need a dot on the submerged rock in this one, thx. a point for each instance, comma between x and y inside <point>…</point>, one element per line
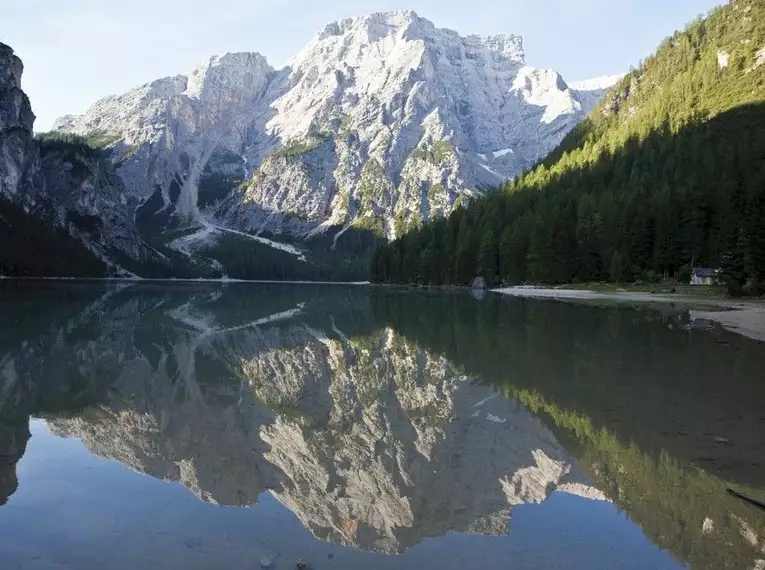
<point>708,527</point>
<point>479,284</point>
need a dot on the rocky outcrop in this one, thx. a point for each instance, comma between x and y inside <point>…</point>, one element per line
<point>166,133</point>
<point>381,122</point>
<point>19,159</point>
<point>88,199</point>
<point>61,181</point>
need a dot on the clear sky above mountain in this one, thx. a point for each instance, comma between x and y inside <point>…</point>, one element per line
<point>77,52</point>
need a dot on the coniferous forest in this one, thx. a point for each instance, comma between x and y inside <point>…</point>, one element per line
<point>668,171</point>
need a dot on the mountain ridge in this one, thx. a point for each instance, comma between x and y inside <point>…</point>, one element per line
<point>390,88</point>
<point>380,124</point>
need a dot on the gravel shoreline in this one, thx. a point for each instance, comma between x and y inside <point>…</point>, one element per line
<point>746,318</point>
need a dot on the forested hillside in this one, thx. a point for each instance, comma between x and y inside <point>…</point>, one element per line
<point>33,246</point>
<point>669,170</point>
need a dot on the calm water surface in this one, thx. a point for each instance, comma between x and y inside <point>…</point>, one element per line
<point>202,426</point>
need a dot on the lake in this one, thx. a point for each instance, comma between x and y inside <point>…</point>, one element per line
<point>205,426</point>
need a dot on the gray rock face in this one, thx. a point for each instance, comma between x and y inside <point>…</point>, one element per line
<point>89,199</point>
<point>379,123</point>
<point>18,151</point>
<point>73,186</point>
<point>168,130</point>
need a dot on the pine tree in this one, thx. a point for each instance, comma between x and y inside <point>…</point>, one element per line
<point>487,256</point>
<point>732,268</point>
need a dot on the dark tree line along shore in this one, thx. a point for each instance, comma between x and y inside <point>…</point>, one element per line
<point>667,172</point>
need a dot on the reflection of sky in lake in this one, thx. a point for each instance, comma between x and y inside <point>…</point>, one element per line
<point>356,423</point>
<point>75,510</point>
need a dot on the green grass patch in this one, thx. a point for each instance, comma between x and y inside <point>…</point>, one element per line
<point>436,154</point>
<point>300,147</point>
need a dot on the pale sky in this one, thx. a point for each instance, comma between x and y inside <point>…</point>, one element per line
<point>77,51</point>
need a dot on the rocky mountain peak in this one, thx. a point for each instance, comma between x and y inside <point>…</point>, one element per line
<point>11,68</point>
<point>381,123</point>
<point>243,72</point>
<point>375,26</point>
<point>408,25</point>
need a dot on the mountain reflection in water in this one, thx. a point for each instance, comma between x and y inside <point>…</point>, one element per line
<point>381,418</point>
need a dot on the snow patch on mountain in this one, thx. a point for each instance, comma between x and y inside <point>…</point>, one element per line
<point>597,83</point>
<point>496,154</point>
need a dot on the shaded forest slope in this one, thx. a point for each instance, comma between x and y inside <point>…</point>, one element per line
<point>667,171</point>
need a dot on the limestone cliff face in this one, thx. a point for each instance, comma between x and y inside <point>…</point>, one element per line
<point>19,159</point>
<point>370,440</point>
<point>69,185</point>
<point>381,122</point>
<point>87,198</point>
<point>168,131</point>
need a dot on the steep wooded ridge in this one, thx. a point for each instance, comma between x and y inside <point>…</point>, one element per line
<point>667,171</point>
<point>382,123</point>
